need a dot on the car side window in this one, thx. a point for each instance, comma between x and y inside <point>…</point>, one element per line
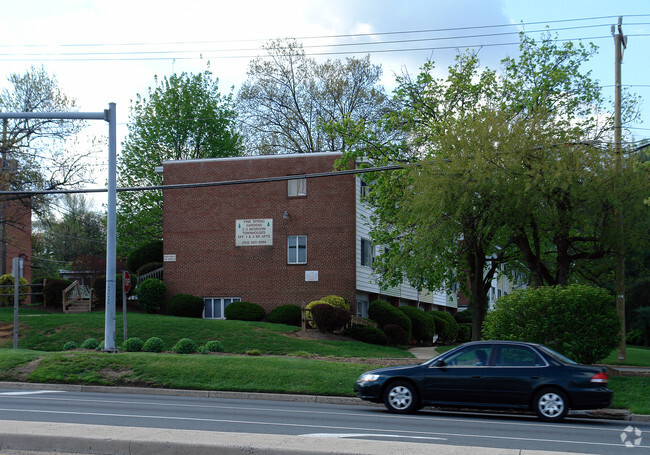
<point>473,356</point>
<point>519,356</point>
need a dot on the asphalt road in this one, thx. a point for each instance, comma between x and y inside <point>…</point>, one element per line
<point>324,422</point>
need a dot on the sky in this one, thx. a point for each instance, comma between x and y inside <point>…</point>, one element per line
<point>110,51</point>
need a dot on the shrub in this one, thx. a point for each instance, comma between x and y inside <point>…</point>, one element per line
<point>53,293</point>
<point>144,254</point>
<point>285,314</point>
<point>253,352</point>
<point>185,346</point>
<point>100,347</point>
<point>578,321</point>
<point>634,337</point>
<point>151,293</point>
<point>203,350</point>
<point>396,335</point>
<point>133,344</point>
<point>90,343</point>
<point>244,311</point>
<point>329,318</point>
<point>149,267</point>
<point>423,325</point>
<point>336,302</point>
<point>214,346</point>
<point>383,313</point>
<point>464,317</point>
<point>69,346</point>
<point>99,290</point>
<point>154,344</point>
<point>367,334</point>
<point>446,327</point>
<point>185,305</point>
<point>464,332</point>
<point>309,314</point>
<point>7,294</point>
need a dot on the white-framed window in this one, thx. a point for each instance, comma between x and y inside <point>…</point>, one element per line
<point>297,187</point>
<point>362,308</point>
<point>367,253</point>
<point>215,307</point>
<point>364,189</point>
<point>297,249</point>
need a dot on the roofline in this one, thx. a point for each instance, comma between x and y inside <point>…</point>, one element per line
<point>252,157</point>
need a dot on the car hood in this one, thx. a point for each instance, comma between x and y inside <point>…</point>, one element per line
<point>394,370</point>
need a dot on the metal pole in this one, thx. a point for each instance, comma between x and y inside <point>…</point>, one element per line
<point>620,43</point>
<point>3,204</point>
<point>16,272</point>
<point>111,232</point>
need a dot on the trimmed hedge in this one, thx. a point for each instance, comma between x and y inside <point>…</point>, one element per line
<point>53,293</point>
<point>149,267</point>
<point>7,294</point>
<point>384,314</point>
<point>185,305</point>
<point>446,327</point>
<point>329,318</point>
<point>244,311</point>
<point>90,343</point>
<point>285,314</point>
<point>337,302</point>
<point>133,344</point>
<point>144,254</point>
<point>464,332</point>
<point>396,335</point>
<point>464,317</point>
<point>185,346</point>
<point>423,325</point>
<point>367,334</point>
<point>154,344</point>
<point>151,293</point>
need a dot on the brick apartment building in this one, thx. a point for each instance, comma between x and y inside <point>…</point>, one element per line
<point>18,235</point>
<point>272,242</point>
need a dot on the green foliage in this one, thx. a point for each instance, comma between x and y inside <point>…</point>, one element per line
<point>634,337</point>
<point>244,311</point>
<point>133,344</point>
<point>578,321</point>
<point>7,294</point>
<point>308,313</point>
<point>151,293</point>
<point>423,325</point>
<point>53,293</point>
<point>99,290</point>
<point>90,343</point>
<point>446,327</point>
<point>367,334</point>
<point>154,344</point>
<point>214,346</point>
<point>385,314</point>
<point>464,332</point>
<point>285,314</point>
<point>149,267</point>
<point>185,346</point>
<point>464,316</point>
<point>336,302</point>
<point>329,318</point>
<point>69,346</point>
<point>181,117</point>
<point>185,305</point>
<point>147,253</point>
<point>253,352</point>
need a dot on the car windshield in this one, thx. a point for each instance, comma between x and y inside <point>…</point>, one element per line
<point>557,355</point>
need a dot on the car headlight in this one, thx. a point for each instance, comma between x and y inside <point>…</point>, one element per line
<point>368,377</point>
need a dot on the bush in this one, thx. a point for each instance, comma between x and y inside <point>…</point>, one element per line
<point>69,346</point>
<point>464,332</point>
<point>285,314</point>
<point>423,325</point>
<point>383,313</point>
<point>149,267</point>
<point>329,318</point>
<point>154,344</point>
<point>446,327</point>
<point>578,321</point>
<point>185,346</point>
<point>185,305</point>
<point>337,302</point>
<point>396,335</point>
<point>151,293</point>
<point>7,294</point>
<point>53,293</point>
<point>100,347</point>
<point>634,337</point>
<point>214,346</point>
<point>99,290</point>
<point>134,344</point>
<point>144,254</point>
<point>464,317</point>
<point>367,334</point>
<point>244,311</point>
<point>90,343</point>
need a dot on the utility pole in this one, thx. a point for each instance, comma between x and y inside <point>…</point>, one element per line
<point>620,43</point>
<point>3,201</point>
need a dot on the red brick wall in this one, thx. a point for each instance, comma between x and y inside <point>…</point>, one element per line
<point>19,231</point>
<point>199,228</point>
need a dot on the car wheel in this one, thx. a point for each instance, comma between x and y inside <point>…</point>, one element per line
<point>401,397</point>
<point>551,405</point>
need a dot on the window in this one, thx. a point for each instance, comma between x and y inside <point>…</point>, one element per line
<point>297,187</point>
<point>518,356</point>
<point>367,253</point>
<point>364,189</point>
<point>362,308</point>
<point>215,306</point>
<point>473,356</point>
<point>297,249</point>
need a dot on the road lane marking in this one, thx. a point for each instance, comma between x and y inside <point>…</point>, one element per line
<point>368,435</point>
<point>31,392</point>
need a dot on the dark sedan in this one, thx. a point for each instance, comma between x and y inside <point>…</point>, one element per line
<point>491,374</point>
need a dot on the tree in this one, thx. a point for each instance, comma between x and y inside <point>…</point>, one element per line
<point>182,117</point>
<point>288,97</point>
<point>37,154</point>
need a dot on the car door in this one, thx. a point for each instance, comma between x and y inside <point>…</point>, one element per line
<point>516,371</point>
<point>458,379</point>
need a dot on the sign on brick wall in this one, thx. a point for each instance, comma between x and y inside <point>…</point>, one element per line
<point>254,232</point>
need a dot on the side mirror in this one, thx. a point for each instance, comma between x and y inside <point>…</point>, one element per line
<point>439,363</point>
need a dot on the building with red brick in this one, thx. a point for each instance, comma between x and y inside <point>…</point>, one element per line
<point>272,242</point>
<point>18,234</point>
